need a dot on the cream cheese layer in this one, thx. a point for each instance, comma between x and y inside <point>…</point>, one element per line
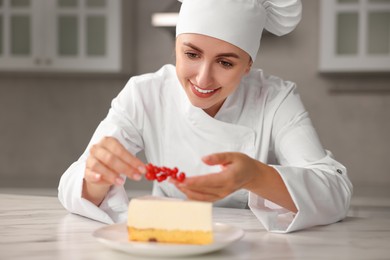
<point>170,214</point>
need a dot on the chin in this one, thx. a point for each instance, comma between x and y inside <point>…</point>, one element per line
<point>198,104</point>
<point>196,101</point>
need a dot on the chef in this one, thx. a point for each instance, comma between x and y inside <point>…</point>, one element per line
<point>243,138</point>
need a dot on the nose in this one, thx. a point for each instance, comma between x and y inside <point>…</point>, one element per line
<point>205,76</point>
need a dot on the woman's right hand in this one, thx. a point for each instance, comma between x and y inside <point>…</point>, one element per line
<point>107,161</point>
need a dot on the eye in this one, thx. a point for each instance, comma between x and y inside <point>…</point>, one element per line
<point>226,64</point>
<point>191,55</point>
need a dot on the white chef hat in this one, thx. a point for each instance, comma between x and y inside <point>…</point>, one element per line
<point>239,22</point>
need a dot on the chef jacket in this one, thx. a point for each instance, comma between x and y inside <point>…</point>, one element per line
<point>263,118</point>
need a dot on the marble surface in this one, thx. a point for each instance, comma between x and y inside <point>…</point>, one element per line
<point>366,201</point>
<point>37,227</point>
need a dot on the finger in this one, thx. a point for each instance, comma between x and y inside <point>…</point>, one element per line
<point>204,190</point>
<point>93,167</point>
<point>114,163</point>
<point>218,158</point>
<point>207,187</point>
<point>94,177</point>
<point>208,181</point>
<point>201,196</point>
<point>114,146</point>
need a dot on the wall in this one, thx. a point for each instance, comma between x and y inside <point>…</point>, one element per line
<point>46,120</point>
<point>350,112</point>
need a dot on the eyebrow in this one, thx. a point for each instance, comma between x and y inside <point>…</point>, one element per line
<point>227,54</point>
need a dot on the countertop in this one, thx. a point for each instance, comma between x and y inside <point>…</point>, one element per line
<point>37,227</point>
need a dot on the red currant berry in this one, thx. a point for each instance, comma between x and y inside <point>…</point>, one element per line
<point>161,178</point>
<point>149,176</point>
<point>162,173</point>
<point>149,167</point>
<point>181,177</point>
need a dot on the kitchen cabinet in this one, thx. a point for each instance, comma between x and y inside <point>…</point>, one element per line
<point>60,35</point>
<point>355,36</point>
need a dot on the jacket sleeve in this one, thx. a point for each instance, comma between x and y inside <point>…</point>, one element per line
<point>122,122</point>
<point>318,184</point>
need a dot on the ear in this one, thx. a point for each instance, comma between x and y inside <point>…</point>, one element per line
<point>248,68</point>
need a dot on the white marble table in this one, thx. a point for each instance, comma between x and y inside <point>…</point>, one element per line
<point>37,227</point>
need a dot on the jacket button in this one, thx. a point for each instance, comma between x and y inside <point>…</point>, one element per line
<point>339,171</point>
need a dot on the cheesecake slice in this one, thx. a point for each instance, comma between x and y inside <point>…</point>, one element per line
<point>169,220</point>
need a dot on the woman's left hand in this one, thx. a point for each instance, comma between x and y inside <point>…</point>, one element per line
<point>237,172</point>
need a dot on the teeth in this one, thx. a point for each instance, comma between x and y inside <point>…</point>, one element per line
<point>204,91</point>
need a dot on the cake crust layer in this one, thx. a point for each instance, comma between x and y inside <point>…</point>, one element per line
<point>170,236</point>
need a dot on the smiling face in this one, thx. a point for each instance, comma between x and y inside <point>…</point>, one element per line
<point>209,69</point>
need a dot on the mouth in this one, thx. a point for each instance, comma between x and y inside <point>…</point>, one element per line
<point>203,93</point>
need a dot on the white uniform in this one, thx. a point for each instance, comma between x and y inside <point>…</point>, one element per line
<point>264,118</point>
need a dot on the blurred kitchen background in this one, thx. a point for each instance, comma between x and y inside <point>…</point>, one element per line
<point>62,62</point>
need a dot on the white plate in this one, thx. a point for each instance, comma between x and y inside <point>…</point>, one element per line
<point>115,236</point>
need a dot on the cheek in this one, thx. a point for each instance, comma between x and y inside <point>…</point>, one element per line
<point>180,69</point>
<point>229,80</point>
<point>185,69</point>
